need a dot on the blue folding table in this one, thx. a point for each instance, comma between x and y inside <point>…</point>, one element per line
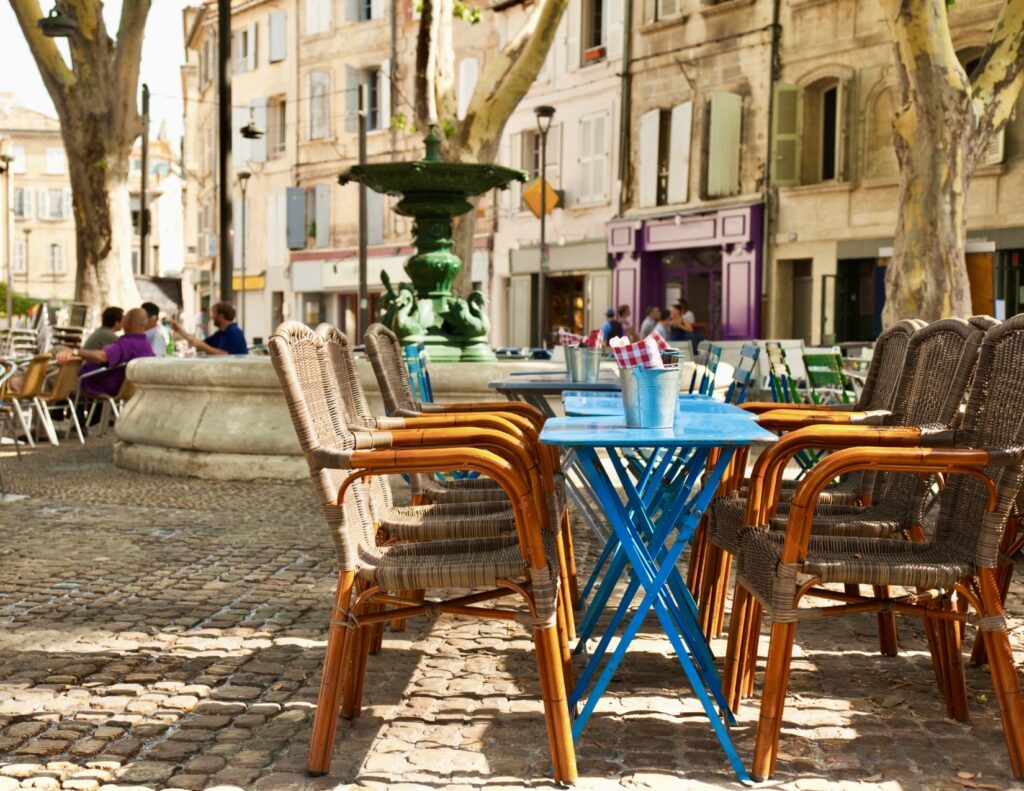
<point>652,532</point>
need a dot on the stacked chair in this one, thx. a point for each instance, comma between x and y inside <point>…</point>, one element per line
<point>350,452</point>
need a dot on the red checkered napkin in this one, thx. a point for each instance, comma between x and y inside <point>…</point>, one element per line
<point>643,354</point>
<point>662,343</point>
<point>595,340</point>
<point>566,338</point>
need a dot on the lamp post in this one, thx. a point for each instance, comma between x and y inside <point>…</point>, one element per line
<point>544,115</point>
<point>243,182</point>
<point>6,160</point>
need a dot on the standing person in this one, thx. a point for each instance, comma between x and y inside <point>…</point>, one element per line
<point>688,316</point>
<point>130,346</point>
<point>624,315</point>
<point>154,331</point>
<point>106,333</point>
<point>651,322</point>
<point>228,339</point>
<point>606,328</point>
<point>679,327</point>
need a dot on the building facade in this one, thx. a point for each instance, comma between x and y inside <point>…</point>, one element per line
<point>43,230</point>
<point>581,81</point>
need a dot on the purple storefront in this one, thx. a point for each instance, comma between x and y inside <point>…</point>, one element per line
<point>710,258</point>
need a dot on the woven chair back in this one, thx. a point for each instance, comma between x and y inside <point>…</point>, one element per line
<point>297,355</point>
<point>388,361</point>
<point>883,374</point>
<point>742,374</point>
<point>63,384</point>
<point>34,378</point>
<point>994,418</point>
<point>780,379</point>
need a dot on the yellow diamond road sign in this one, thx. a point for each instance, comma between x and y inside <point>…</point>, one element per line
<point>531,197</point>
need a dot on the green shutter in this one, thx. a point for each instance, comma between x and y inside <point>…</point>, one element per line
<point>724,139</point>
<point>786,125</point>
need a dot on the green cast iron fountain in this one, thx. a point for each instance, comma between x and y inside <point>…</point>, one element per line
<point>432,192</point>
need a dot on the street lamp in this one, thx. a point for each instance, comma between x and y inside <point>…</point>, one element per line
<point>544,115</point>
<point>243,182</point>
<point>6,160</point>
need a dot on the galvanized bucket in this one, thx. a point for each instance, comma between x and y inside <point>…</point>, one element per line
<point>584,363</point>
<point>649,396</point>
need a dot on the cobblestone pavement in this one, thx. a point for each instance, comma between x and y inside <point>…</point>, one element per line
<point>168,633</point>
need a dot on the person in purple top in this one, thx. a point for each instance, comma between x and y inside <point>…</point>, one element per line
<point>129,346</point>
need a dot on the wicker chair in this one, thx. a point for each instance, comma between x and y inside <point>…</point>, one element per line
<point>26,400</point>
<point>985,468</point>
<point>338,460</point>
<point>59,395</point>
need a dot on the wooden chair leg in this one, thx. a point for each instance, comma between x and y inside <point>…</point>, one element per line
<point>570,560</point>
<point>1004,674</point>
<point>564,602</point>
<point>357,650</point>
<point>325,721</point>
<point>753,642</point>
<point>556,710</point>
<point>736,643</point>
<point>721,589</point>
<point>1004,576</point>
<point>565,653</point>
<point>888,637</point>
<point>695,573</point>
<point>776,681</point>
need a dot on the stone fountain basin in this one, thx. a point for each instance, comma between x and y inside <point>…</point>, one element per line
<point>226,418</point>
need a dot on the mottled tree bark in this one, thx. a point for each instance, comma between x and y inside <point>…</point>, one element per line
<point>504,81</point>
<point>945,121</point>
<point>99,118</point>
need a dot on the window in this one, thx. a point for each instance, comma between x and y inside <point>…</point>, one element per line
<point>278,26</point>
<point>136,166</point>
<point>243,43</point>
<point>136,262</point>
<point>19,164</point>
<point>666,9</point>
<point>526,155</point>
<point>378,97</point>
<point>55,162</point>
<point>595,30</point>
<point>277,126</point>
<point>371,78</point>
<point>22,203</point>
<point>319,105</point>
<point>808,138</point>
<point>318,214</point>
<point>664,156</point>
<point>318,16</point>
<point>593,179</point>
<point>55,259</point>
<point>722,143</point>
<point>54,204</point>
<point>20,257</point>
<point>364,10</point>
<point>135,204</point>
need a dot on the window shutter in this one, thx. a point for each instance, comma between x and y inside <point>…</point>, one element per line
<point>352,10</point>
<point>278,24</point>
<point>613,39</point>
<point>842,114</point>
<point>647,176</point>
<point>679,153</point>
<point>384,95</point>
<point>572,37</point>
<point>374,217</point>
<point>44,205</point>
<point>994,152</point>
<point>239,145</point>
<point>29,202</point>
<point>726,114</point>
<point>237,230</point>
<point>258,147</point>
<point>250,52</point>
<point>515,159</point>
<point>468,73</point>
<point>295,222</point>
<point>376,9</point>
<point>312,16</point>
<point>598,157</point>
<point>66,205</point>
<point>666,9</point>
<point>323,215</point>
<point>586,179</point>
<point>785,166</point>
<point>352,81</point>
<point>553,172</point>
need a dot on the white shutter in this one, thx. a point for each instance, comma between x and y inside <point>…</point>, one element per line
<point>553,172</point>
<point>29,203</point>
<point>519,313</point>
<point>312,19</point>
<point>586,181</point>
<point>468,73</point>
<point>352,10</point>
<point>353,78</point>
<point>666,9</point>
<point>325,15</point>
<point>647,175</point>
<point>44,205</point>
<point>66,205</point>
<point>237,231</point>
<point>250,50</point>
<point>376,9</point>
<point>374,217</point>
<point>515,160</point>
<point>239,145</point>
<point>572,37</point>
<point>258,146</point>
<point>278,35</point>
<point>384,95</point>
<point>599,157</point>
<point>726,114</point>
<point>613,40</point>
<point>679,153</point>
<point>995,150</point>
<point>323,215</point>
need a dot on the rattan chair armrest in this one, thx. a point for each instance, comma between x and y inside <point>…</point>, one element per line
<point>920,460</point>
<point>527,411</point>
<point>792,419</point>
<point>757,407</point>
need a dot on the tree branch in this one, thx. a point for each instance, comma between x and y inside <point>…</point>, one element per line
<point>127,63</point>
<point>1000,72</point>
<point>426,47</point>
<point>55,72</point>
<point>508,76</point>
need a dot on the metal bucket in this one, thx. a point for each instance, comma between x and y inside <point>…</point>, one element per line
<point>649,396</point>
<point>584,363</point>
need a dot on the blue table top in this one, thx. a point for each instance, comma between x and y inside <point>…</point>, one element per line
<point>692,429</point>
<point>611,404</point>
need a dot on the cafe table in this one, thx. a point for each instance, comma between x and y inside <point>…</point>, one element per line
<point>652,532</point>
<point>535,389</point>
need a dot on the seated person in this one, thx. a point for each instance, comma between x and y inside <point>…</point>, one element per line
<point>228,339</point>
<point>131,345</point>
<point>106,333</point>
<point>154,331</point>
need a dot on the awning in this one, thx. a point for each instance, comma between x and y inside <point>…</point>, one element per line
<point>165,292</point>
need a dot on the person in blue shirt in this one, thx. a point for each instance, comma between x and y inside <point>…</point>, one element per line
<point>228,339</point>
